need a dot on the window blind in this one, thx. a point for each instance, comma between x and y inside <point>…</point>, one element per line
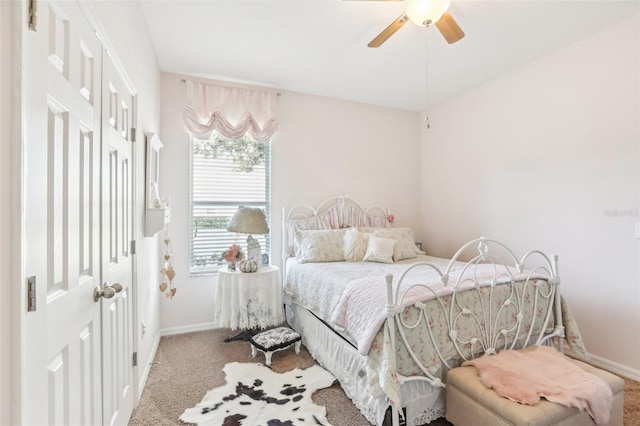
<point>218,187</point>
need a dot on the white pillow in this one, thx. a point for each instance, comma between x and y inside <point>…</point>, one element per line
<point>406,246</point>
<point>355,245</point>
<point>380,250</point>
<point>324,245</point>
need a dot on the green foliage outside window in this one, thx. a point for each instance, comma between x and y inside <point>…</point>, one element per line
<point>216,222</point>
<point>246,152</point>
<point>212,259</point>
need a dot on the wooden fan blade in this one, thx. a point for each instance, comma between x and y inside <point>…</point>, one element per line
<point>389,31</point>
<point>449,28</point>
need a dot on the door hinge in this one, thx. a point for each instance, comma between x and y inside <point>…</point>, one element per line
<point>135,359</point>
<point>33,15</point>
<point>133,247</point>
<point>31,294</point>
<point>133,134</point>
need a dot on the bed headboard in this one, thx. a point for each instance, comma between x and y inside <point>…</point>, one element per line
<point>336,212</point>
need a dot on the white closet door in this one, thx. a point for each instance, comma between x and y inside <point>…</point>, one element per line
<point>77,363</point>
<point>117,231</point>
<point>61,124</point>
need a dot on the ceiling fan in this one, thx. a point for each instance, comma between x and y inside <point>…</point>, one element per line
<point>424,13</point>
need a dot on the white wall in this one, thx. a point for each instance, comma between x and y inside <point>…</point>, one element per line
<point>324,147</point>
<point>124,24</point>
<point>536,158</point>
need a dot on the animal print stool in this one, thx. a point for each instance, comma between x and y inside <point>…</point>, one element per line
<point>470,403</point>
<point>274,340</point>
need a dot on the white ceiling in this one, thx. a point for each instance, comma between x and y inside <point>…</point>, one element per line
<point>320,46</point>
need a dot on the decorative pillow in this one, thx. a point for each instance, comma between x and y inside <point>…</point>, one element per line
<point>380,250</point>
<point>406,246</point>
<point>322,221</point>
<point>324,245</point>
<point>355,245</point>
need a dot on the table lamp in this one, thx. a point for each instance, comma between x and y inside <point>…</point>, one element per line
<point>249,220</point>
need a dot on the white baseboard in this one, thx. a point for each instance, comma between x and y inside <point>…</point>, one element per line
<point>605,364</point>
<point>614,367</point>
<point>154,349</point>
<point>147,366</point>
<point>187,329</point>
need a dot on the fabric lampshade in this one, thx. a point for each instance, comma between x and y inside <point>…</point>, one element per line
<point>248,220</point>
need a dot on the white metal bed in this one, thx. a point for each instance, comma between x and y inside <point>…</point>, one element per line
<point>489,334</point>
<point>481,305</point>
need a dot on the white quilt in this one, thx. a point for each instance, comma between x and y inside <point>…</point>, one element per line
<point>319,286</point>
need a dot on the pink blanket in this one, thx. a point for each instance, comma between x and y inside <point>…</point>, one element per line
<point>539,371</point>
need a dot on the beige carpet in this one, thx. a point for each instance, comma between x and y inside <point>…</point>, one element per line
<point>188,365</point>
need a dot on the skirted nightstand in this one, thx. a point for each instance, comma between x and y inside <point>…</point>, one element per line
<point>248,301</point>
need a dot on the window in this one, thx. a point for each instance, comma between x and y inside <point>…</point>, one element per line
<point>225,174</point>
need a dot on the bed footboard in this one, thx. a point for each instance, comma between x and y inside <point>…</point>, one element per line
<point>491,302</point>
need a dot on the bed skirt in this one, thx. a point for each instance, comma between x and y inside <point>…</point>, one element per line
<point>423,402</point>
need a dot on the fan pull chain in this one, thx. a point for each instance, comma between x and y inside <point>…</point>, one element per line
<point>427,124</point>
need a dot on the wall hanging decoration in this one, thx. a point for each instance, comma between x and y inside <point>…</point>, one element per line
<point>168,273</point>
<point>157,209</point>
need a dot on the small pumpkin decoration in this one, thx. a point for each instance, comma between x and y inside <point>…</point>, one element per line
<point>248,265</point>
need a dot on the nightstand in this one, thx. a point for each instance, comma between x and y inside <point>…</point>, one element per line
<point>248,300</point>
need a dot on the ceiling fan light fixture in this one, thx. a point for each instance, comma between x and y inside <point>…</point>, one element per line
<point>426,12</point>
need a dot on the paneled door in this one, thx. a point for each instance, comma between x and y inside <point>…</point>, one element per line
<point>77,325</point>
<point>117,219</point>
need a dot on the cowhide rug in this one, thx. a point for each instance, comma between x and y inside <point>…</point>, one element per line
<point>256,396</point>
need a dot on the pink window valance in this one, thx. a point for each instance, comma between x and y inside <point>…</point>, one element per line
<point>230,111</point>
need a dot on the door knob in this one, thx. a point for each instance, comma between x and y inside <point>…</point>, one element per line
<point>107,293</point>
<point>117,287</point>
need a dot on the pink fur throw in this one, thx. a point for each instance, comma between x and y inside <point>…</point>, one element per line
<point>539,371</point>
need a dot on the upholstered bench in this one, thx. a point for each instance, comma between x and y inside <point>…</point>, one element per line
<point>274,340</point>
<point>470,403</point>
